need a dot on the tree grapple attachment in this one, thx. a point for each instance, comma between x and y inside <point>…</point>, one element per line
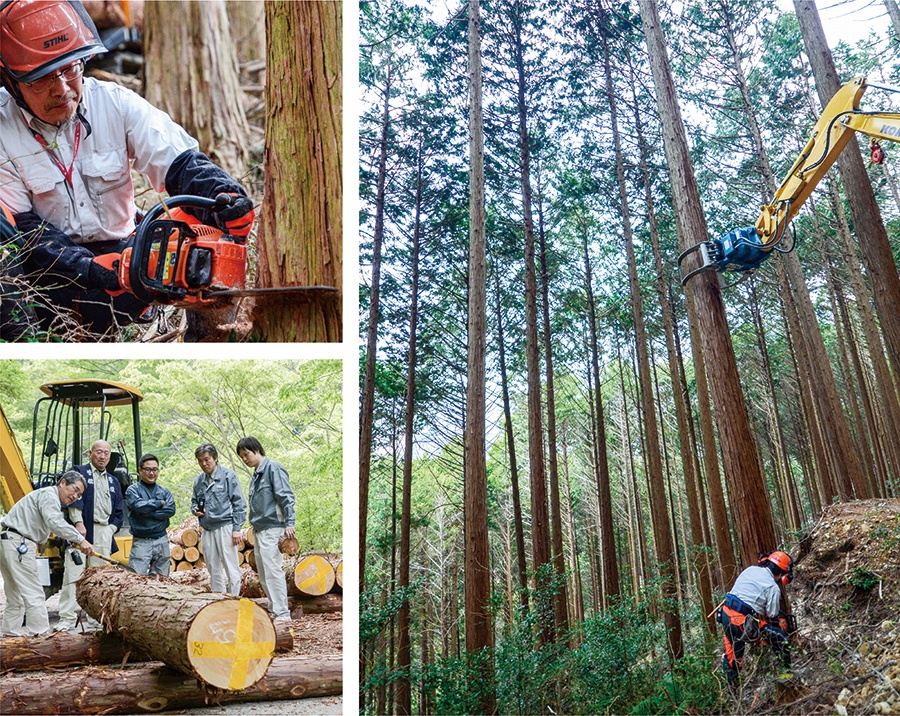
<point>739,250</point>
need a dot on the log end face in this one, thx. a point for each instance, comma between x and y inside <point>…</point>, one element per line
<point>231,644</point>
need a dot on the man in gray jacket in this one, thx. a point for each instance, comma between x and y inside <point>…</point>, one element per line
<point>219,503</point>
<point>271,516</point>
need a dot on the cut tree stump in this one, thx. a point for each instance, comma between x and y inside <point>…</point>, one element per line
<point>51,651</point>
<point>150,688</point>
<point>191,554</point>
<point>338,577</point>
<point>224,641</point>
<point>176,551</point>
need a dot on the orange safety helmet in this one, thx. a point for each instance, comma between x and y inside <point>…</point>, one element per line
<point>40,36</point>
<point>781,560</point>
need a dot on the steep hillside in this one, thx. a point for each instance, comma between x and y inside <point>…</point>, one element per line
<point>846,596</point>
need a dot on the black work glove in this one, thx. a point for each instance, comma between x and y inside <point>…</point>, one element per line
<point>101,277</point>
<point>235,215</point>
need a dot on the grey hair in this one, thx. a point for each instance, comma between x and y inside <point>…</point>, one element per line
<point>71,477</point>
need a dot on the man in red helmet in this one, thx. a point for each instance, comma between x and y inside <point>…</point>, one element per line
<point>66,150</point>
<point>752,611</point>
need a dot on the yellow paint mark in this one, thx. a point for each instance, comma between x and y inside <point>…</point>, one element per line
<point>317,579</point>
<point>241,651</point>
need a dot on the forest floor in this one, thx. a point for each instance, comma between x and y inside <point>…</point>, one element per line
<point>313,634</point>
<point>846,597</point>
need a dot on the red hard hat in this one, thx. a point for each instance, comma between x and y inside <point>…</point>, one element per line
<point>39,36</point>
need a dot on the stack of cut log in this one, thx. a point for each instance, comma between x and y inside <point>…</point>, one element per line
<point>186,546</point>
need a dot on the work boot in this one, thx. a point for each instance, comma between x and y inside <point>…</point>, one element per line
<point>65,626</point>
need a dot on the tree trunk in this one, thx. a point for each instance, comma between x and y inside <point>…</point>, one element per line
<point>367,410</point>
<point>754,520</point>
<point>886,389</point>
<point>247,19</point>
<point>521,557</point>
<point>191,72</point>
<point>665,551</point>
<point>404,657</point>
<point>894,12</point>
<point>150,688</point>
<point>609,565</point>
<point>699,556</point>
<point>556,536</point>
<point>300,236</point>
<point>477,551</point>
<point>871,234</point>
<point>223,641</point>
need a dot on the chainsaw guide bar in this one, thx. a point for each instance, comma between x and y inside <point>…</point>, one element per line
<point>309,293</point>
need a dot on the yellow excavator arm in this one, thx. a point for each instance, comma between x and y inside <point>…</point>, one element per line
<point>746,248</point>
<point>14,477</point>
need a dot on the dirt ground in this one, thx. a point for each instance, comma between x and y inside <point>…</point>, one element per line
<point>313,634</point>
<point>846,597</point>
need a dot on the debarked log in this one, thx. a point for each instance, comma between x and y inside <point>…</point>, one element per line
<point>153,687</point>
<point>222,640</point>
<point>50,651</point>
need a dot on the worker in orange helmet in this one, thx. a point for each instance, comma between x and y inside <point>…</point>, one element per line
<point>752,612</point>
<point>67,148</point>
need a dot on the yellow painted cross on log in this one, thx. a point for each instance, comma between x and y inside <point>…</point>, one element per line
<point>241,651</point>
<point>317,577</point>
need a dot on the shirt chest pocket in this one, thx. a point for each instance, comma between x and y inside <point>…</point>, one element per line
<point>40,176</point>
<point>107,178</point>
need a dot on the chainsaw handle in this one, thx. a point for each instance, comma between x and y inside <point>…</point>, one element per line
<point>141,248</point>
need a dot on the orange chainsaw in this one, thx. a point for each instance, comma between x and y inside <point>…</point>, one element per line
<point>182,262</point>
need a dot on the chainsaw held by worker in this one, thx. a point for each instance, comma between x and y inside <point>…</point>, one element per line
<point>174,259</point>
<point>745,249</point>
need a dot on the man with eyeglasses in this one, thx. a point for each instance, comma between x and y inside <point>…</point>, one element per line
<point>150,505</point>
<point>97,515</point>
<point>28,523</point>
<point>67,147</point>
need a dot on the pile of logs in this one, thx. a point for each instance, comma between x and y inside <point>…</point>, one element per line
<point>316,573</point>
<point>192,648</point>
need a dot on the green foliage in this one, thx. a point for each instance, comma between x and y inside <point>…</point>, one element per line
<point>863,579</point>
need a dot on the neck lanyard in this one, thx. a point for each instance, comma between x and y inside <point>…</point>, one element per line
<point>67,173</point>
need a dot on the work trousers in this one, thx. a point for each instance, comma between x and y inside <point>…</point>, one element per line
<point>268,566</point>
<point>25,600</point>
<point>68,606</point>
<point>150,555</point>
<point>221,555</point>
<point>737,634</point>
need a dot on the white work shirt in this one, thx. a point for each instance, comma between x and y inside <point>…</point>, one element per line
<point>102,500</point>
<point>99,205</point>
<point>756,587</point>
<point>38,514</point>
